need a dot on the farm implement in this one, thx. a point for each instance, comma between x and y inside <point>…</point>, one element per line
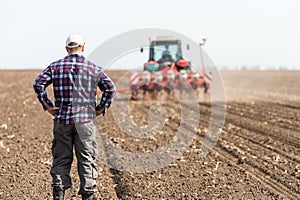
<point>167,73</point>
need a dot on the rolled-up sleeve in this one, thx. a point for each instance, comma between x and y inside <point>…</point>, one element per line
<point>40,84</point>
<point>108,88</point>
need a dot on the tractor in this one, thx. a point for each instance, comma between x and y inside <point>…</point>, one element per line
<point>166,71</point>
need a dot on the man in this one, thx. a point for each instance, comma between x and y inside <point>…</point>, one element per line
<point>75,81</point>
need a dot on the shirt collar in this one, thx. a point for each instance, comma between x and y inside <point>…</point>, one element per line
<point>74,56</point>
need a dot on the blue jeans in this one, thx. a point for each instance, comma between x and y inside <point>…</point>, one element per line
<point>82,137</point>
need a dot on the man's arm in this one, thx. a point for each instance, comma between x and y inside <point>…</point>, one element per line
<point>40,84</point>
<point>106,85</point>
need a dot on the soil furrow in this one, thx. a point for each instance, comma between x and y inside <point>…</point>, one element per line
<point>260,175</point>
<point>285,120</point>
<point>258,127</point>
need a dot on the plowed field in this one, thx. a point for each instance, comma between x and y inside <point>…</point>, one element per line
<point>256,157</point>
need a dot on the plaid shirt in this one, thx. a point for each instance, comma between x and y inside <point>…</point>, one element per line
<point>75,82</point>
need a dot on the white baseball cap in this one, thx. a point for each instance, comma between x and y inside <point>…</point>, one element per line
<point>75,38</point>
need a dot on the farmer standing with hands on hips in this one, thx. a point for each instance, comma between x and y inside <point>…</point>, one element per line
<point>75,80</point>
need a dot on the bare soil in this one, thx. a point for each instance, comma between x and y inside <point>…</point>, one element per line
<point>256,157</point>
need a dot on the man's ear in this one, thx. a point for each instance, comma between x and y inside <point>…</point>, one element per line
<point>82,48</point>
<point>67,49</point>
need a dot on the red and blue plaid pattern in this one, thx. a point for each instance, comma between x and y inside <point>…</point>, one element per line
<point>75,81</point>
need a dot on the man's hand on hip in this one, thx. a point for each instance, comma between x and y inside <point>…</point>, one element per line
<point>53,110</point>
<point>101,111</point>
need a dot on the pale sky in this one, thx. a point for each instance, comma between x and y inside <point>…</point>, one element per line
<point>238,32</point>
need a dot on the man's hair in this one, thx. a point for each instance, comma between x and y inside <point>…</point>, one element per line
<point>73,49</point>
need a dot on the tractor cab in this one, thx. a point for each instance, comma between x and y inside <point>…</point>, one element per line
<point>164,52</point>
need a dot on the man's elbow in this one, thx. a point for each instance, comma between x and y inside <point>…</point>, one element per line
<point>114,89</point>
<point>37,87</point>
<point>34,85</point>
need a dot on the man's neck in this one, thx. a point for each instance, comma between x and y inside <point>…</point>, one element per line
<point>76,53</point>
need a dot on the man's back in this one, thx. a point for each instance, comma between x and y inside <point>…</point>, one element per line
<point>75,81</point>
